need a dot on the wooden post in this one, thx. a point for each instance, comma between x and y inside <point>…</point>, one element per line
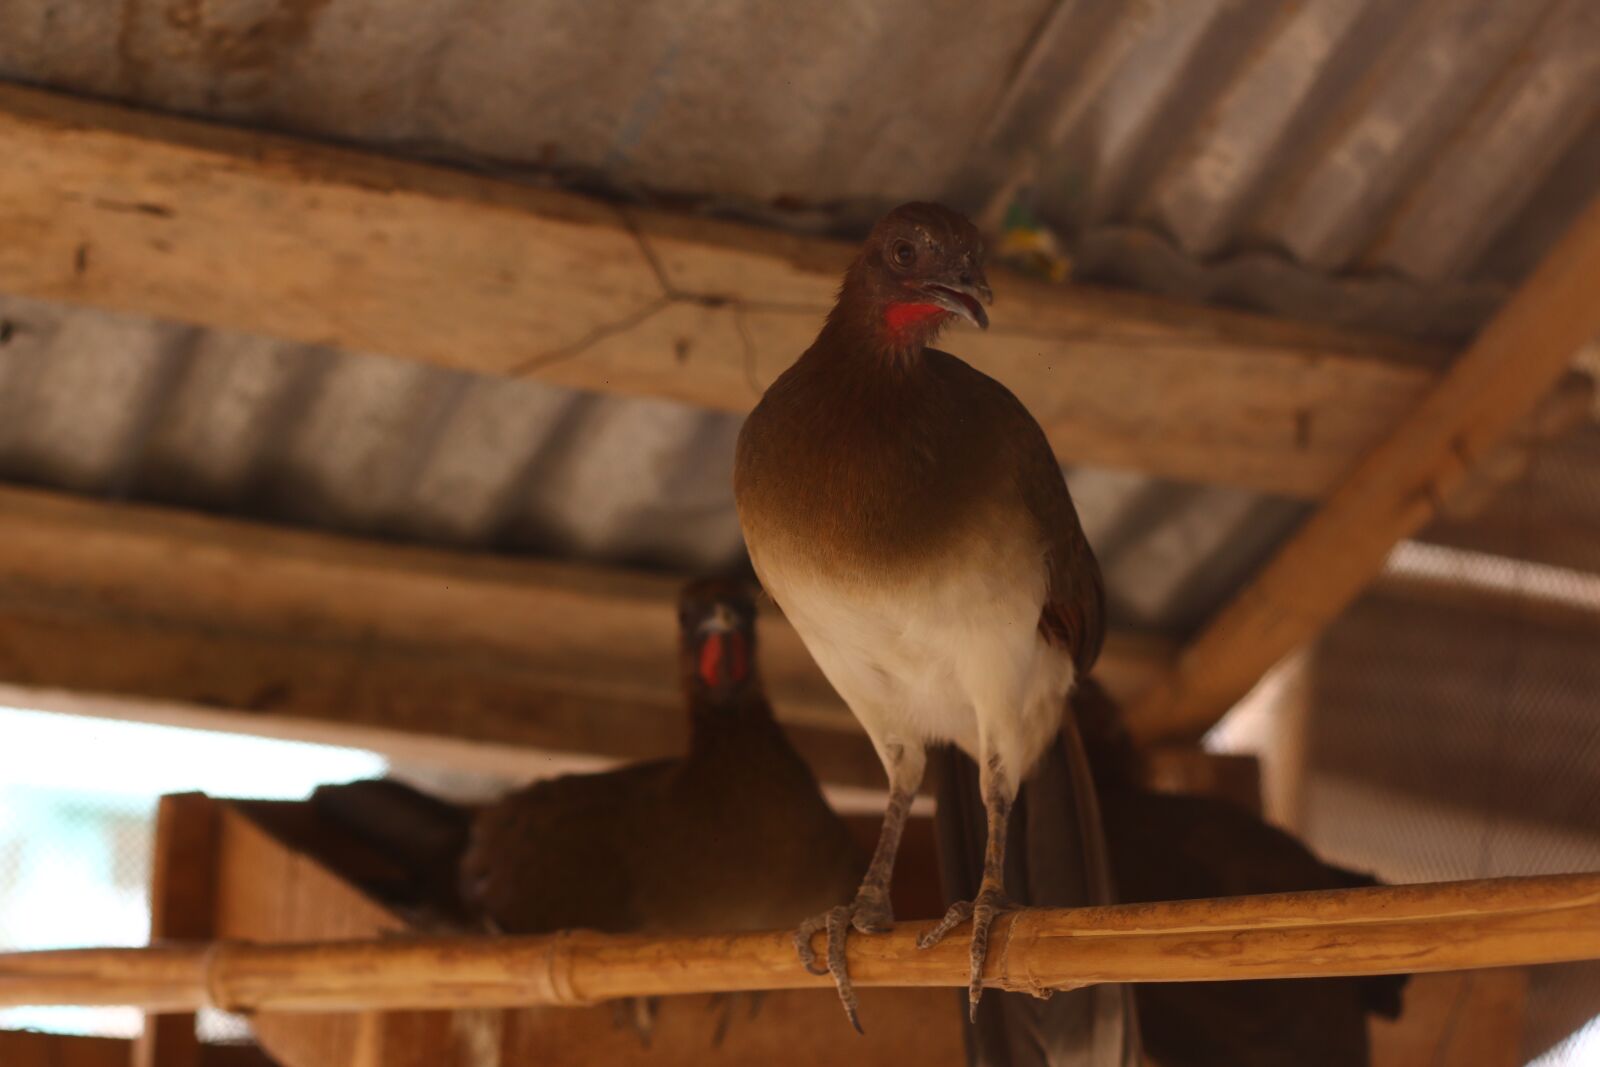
<point>182,903</point>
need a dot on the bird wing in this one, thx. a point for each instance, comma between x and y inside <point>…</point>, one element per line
<point>1167,847</point>
<point>1075,600</point>
<point>1073,616</point>
<point>556,854</point>
<point>420,836</point>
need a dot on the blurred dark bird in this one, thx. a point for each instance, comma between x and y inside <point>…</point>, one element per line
<point>733,835</point>
<point>1171,847</point>
<point>906,512</point>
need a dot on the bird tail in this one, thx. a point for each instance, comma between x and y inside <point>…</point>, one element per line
<point>421,835</point>
<point>1056,856</point>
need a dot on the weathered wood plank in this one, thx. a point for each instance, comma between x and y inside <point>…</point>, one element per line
<point>1518,357</point>
<point>161,605</point>
<point>182,905</point>
<point>248,231</point>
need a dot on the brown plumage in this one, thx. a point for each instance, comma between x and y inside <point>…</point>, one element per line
<point>874,450</point>
<point>906,512</point>
<point>734,835</point>
<point>1166,847</point>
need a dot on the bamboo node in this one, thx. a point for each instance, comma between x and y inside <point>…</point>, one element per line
<point>1028,982</point>
<point>1023,925</point>
<point>555,979</point>
<point>212,973</point>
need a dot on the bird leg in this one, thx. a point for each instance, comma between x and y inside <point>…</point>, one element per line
<point>637,1014</point>
<point>870,911</point>
<point>991,899</point>
<point>723,1003</point>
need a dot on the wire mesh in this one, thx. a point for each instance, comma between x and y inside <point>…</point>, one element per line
<point>1453,715</point>
<point>77,817</point>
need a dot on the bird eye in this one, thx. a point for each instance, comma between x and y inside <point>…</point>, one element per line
<point>903,253</point>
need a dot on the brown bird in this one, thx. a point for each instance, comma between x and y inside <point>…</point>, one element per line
<point>733,835</point>
<point>1167,847</point>
<point>906,512</point>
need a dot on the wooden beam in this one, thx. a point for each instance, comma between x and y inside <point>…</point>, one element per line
<point>27,1048</point>
<point>1382,930</point>
<point>1518,357</point>
<point>156,605</point>
<point>247,231</point>
<point>182,906</point>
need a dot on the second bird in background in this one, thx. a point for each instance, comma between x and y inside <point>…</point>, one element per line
<point>733,835</point>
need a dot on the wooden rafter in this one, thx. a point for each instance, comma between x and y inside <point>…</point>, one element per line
<point>1517,358</point>
<point>253,232</point>
<point>273,624</point>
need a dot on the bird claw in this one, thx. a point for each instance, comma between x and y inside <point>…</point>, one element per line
<point>868,913</point>
<point>639,1015</point>
<point>802,942</point>
<point>722,1004</point>
<point>982,911</point>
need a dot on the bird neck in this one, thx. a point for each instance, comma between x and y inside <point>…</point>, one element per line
<point>714,721</point>
<point>884,322</point>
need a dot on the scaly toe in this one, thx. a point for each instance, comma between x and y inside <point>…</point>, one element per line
<point>802,944</point>
<point>988,906</point>
<point>839,920</point>
<point>872,915</point>
<point>869,913</point>
<point>959,913</point>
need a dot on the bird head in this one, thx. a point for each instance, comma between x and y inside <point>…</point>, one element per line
<point>717,628</point>
<point>921,266</point>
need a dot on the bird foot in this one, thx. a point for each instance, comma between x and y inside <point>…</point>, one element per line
<point>639,1015</point>
<point>982,911</point>
<point>869,913</point>
<point>723,1003</point>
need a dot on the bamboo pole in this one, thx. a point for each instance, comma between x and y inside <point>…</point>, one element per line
<point>1385,930</point>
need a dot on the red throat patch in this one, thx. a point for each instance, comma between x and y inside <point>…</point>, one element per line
<point>900,318</point>
<point>723,660</point>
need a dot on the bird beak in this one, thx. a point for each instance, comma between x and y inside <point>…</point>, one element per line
<point>720,621</point>
<point>723,656</point>
<point>965,296</point>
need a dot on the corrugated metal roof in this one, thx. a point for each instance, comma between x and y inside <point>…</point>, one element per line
<point>1375,162</point>
<point>1439,142</point>
<point>1393,164</point>
<point>1286,147</point>
<point>121,407</point>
